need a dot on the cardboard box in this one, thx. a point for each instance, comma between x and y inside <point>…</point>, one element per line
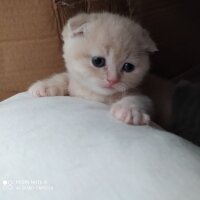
<point>31,48</point>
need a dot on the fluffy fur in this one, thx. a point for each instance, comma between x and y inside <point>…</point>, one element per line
<point>117,39</point>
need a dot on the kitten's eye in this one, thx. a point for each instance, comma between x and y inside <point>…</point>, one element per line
<point>128,67</point>
<point>98,61</point>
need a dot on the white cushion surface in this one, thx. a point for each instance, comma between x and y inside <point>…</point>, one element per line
<point>65,148</point>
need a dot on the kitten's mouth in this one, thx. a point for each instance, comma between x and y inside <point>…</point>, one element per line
<point>121,87</point>
<point>108,87</point>
<point>118,87</point>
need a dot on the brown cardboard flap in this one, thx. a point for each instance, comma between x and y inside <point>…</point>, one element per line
<point>30,48</point>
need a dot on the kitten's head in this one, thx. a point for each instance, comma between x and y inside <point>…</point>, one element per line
<point>107,53</point>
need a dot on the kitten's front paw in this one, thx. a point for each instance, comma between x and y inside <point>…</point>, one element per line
<point>130,114</point>
<point>42,89</point>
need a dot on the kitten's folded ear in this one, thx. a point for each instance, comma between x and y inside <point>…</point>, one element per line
<point>149,44</point>
<point>76,25</point>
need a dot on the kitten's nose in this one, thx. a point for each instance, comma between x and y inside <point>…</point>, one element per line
<point>113,81</point>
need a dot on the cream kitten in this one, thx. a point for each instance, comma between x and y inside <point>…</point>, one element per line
<point>106,57</point>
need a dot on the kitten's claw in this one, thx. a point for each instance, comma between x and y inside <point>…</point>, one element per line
<point>130,114</point>
<point>41,89</point>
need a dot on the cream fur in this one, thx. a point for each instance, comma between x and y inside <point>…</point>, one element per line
<point>117,39</point>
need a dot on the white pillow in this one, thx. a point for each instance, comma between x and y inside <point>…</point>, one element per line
<point>65,148</point>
